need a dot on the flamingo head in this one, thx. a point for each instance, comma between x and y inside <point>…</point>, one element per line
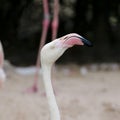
<point>53,50</point>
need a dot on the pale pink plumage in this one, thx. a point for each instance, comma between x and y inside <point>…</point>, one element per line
<point>2,73</point>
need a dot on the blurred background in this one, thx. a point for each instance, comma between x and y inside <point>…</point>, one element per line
<point>86,80</point>
<point>96,20</point>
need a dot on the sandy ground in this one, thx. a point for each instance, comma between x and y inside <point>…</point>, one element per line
<point>95,96</point>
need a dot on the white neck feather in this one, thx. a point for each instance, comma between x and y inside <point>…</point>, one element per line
<point>54,111</point>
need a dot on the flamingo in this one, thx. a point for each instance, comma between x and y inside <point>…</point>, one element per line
<point>2,73</point>
<point>49,54</point>
<point>46,23</point>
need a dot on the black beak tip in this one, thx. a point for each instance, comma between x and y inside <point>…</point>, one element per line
<point>87,42</point>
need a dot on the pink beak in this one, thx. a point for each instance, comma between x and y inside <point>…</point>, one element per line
<point>78,40</point>
<point>85,41</point>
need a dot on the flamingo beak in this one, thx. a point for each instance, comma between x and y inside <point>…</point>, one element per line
<point>82,39</point>
<point>85,41</point>
<point>76,39</point>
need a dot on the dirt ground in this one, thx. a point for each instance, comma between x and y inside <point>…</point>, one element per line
<point>93,96</point>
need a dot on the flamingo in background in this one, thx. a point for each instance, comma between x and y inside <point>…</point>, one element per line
<point>46,23</point>
<point>2,73</point>
<point>49,54</point>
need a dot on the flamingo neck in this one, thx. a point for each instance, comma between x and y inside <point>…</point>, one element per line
<point>54,111</point>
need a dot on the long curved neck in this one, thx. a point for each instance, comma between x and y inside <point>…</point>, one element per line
<point>54,111</point>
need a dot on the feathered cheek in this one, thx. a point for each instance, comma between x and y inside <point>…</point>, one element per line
<point>59,44</point>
